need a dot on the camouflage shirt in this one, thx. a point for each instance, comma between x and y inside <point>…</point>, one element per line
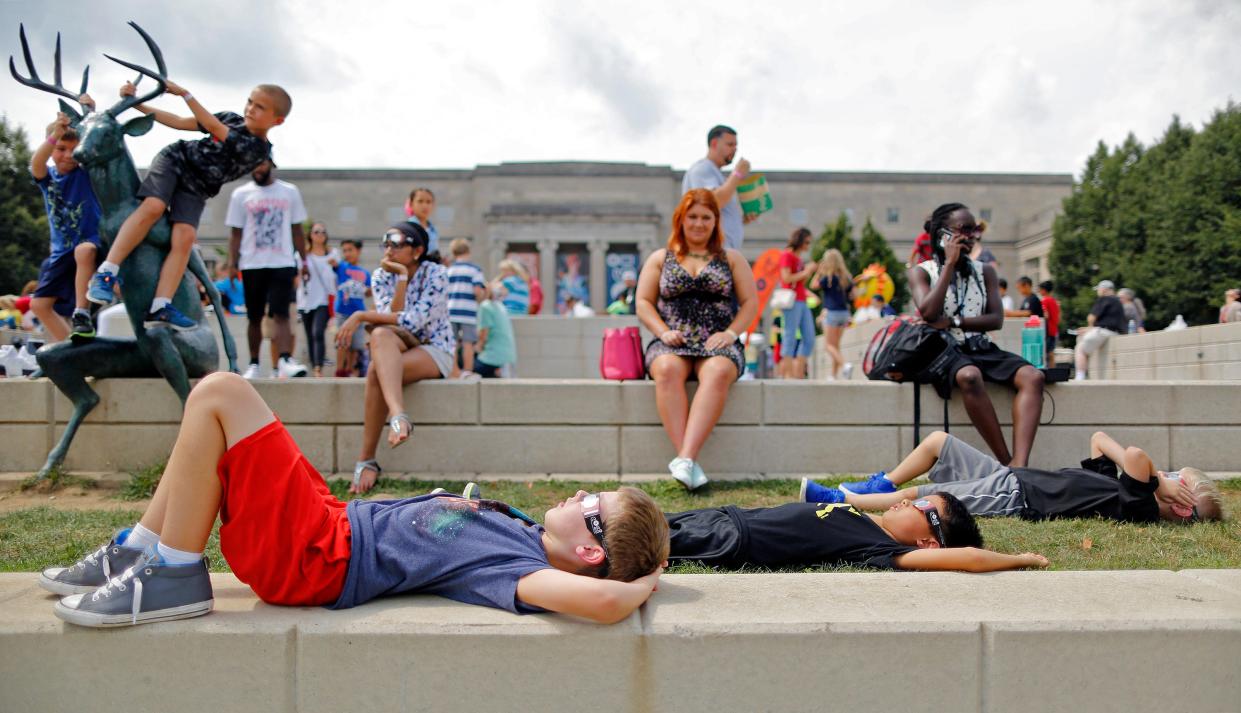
<point>207,164</point>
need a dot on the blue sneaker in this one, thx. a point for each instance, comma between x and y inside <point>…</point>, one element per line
<point>812,492</point>
<point>169,316</point>
<point>877,483</point>
<point>102,288</point>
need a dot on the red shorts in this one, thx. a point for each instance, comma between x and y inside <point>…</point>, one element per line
<point>283,531</point>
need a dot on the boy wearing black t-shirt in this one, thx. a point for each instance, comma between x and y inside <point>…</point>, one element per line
<point>934,532</point>
<point>1114,482</point>
<point>180,180</point>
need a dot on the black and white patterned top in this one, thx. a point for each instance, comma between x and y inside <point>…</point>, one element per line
<point>206,164</point>
<point>426,304</point>
<point>973,289</point>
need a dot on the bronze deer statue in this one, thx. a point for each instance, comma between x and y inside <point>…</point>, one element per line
<point>178,356</point>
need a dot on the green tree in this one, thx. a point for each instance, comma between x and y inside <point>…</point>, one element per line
<point>838,235</point>
<point>23,220</point>
<point>873,248</point>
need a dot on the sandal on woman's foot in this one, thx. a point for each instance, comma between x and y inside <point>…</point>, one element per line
<point>361,467</point>
<point>395,423</point>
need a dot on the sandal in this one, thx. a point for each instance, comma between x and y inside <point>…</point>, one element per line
<point>363,466</point>
<point>395,424</point>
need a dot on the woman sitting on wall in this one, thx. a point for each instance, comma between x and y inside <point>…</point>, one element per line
<point>411,340</point>
<point>695,296</point>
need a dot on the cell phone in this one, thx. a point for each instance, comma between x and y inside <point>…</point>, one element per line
<point>945,235</point>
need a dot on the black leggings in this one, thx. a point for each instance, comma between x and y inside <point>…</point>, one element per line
<point>315,322</point>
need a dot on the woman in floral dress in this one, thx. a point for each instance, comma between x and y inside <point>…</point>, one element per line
<point>695,296</point>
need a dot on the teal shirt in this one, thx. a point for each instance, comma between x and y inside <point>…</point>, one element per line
<point>500,348</point>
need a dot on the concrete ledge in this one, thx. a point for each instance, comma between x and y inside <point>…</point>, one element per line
<point>1017,641</point>
<point>602,428</point>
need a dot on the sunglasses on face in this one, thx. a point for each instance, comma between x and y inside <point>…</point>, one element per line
<point>319,230</point>
<point>972,231</point>
<point>395,239</point>
<point>932,516</point>
<point>594,523</point>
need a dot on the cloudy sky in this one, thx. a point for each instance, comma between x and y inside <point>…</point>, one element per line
<point>875,85</point>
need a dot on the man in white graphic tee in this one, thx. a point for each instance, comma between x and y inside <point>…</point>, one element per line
<point>706,173</point>
<point>268,248</point>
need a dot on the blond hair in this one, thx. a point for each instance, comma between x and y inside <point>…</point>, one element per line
<point>515,267</point>
<point>637,536</point>
<point>833,263</point>
<point>1206,494</point>
<point>459,246</point>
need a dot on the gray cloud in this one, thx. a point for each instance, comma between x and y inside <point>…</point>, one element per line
<point>603,67</point>
<point>224,40</point>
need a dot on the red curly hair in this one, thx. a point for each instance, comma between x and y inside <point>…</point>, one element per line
<point>693,197</point>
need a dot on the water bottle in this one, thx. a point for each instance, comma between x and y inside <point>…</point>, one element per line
<point>1133,327</point>
<point>1034,341</point>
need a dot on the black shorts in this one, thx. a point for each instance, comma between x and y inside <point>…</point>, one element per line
<point>486,370</point>
<point>1051,344</point>
<point>995,364</point>
<point>163,181</point>
<point>269,291</point>
<point>56,280</point>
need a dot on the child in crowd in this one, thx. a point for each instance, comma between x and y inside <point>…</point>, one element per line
<point>181,179</point>
<point>497,350</point>
<point>1051,309</point>
<point>419,207</point>
<point>284,534</point>
<point>466,288</point>
<point>933,532</point>
<point>353,286</point>
<point>73,215</point>
<point>1114,482</point>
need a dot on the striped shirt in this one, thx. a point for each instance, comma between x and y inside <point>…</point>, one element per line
<point>517,301</point>
<point>463,277</point>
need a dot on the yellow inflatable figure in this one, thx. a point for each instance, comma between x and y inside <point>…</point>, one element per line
<point>874,280</point>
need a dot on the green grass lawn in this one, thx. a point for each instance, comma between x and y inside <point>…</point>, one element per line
<point>34,538</point>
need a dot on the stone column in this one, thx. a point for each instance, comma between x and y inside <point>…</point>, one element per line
<point>499,249</point>
<point>547,274</point>
<point>598,275</point>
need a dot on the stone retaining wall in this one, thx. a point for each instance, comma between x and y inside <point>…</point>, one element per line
<point>1207,352</point>
<point>1152,641</point>
<point>600,429</point>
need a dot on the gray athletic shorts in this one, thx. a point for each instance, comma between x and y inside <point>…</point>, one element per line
<point>465,333</point>
<point>980,482</point>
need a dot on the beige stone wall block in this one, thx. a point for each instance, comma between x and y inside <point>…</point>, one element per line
<point>1054,446</point>
<point>1105,402</point>
<point>118,447</point>
<point>318,444</point>
<point>26,400</point>
<point>490,449</point>
<point>564,401</point>
<point>1076,665</point>
<point>734,452</point>
<point>421,652</point>
<point>314,401</point>
<point>1217,372</point>
<point>240,658</point>
<point>1211,448</point>
<point>1205,403</point>
<point>127,401</point>
<point>842,402</point>
<point>25,447</point>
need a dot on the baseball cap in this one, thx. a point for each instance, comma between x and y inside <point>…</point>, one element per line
<point>1105,284</point>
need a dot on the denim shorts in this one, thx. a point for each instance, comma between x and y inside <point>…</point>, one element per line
<point>836,318</point>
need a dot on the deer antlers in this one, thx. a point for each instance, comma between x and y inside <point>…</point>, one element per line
<point>159,76</point>
<point>33,80</point>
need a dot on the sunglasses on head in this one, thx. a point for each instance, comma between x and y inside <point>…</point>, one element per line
<point>594,523</point>
<point>395,239</point>
<point>932,516</point>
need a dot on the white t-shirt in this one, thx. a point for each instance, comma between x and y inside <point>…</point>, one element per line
<point>321,281</point>
<point>266,215</point>
<point>703,173</point>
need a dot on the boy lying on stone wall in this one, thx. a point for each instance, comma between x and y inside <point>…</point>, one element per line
<point>285,535</point>
<point>1114,482</point>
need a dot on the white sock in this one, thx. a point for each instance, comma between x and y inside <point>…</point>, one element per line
<point>173,556</point>
<point>159,303</point>
<point>140,538</point>
<point>81,310</point>
<point>109,267</point>
<point>1081,376</point>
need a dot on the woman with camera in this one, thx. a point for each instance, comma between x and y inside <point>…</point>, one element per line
<point>960,295</point>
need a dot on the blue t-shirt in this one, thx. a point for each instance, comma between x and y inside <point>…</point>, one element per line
<point>517,301</point>
<point>835,293</point>
<point>705,174</point>
<point>72,209</point>
<point>233,295</point>
<point>471,551</point>
<point>351,285</point>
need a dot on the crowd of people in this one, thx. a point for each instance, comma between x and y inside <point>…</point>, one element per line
<point>435,316</point>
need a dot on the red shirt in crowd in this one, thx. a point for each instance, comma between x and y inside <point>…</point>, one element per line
<point>789,259</point>
<point>922,248</point>
<point>1051,312</point>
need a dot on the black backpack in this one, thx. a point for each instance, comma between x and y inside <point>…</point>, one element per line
<point>911,350</point>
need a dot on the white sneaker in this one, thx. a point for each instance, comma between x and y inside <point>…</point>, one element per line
<point>288,368</point>
<point>251,372</point>
<point>683,470</point>
<point>846,372</point>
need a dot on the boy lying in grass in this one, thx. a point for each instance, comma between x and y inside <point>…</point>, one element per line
<point>285,535</point>
<point>1114,482</point>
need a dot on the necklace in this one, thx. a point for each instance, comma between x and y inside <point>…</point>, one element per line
<point>700,256</point>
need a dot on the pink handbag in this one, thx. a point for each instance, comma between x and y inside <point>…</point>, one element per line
<point>621,356</point>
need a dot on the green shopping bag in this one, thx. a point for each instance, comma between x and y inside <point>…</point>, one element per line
<point>754,195</point>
